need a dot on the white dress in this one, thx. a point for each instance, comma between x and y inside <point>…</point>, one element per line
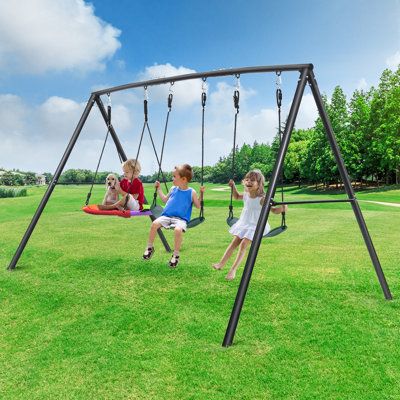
<point>245,227</point>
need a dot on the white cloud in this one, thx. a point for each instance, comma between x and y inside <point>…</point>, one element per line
<point>46,35</point>
<point>308,112</point>
<point>13,114</point>
<point>185,93</point>
<point>393,61</point>
<point>362,84</point>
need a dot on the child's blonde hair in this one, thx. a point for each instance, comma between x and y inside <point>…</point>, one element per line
<point>185,171</point>
<point>133,165</point>
<point>256,175</point>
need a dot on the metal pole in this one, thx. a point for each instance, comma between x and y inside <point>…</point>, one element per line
<point>123,156</point>
<point>349,189</point>
<point>103,112</point>
<point>52,184</point>
<point>277,203</point>
<point>255,245</point>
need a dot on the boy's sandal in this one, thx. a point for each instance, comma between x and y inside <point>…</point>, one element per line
<point>173,262</point>
<point>148,253</point>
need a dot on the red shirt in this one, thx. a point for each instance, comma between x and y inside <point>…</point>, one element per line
<point>136,187</point>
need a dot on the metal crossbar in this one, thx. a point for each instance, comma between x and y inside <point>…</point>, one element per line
<point>209,74</point>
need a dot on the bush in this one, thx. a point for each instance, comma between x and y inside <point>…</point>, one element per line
<point>5,192</point>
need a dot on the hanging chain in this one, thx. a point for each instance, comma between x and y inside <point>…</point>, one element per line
<point>279,105</point>
<point>236,97</point>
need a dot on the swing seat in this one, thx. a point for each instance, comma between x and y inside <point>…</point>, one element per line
<point>275,231</point>
<point>195,221</point>
<point>94,209</point>
<point>231,220</point>
<point>157,210</point>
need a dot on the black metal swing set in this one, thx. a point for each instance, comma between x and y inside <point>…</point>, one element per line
<point>306,76</point>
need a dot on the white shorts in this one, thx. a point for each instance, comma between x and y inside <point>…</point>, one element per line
<point>172,222</point>
<point>132,204</point>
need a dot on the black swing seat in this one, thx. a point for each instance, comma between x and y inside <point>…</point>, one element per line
<point>157,210</point>
<point>273,232</point>
<point>276,231</point>
<point>231,220</point>
<point>195,221</point>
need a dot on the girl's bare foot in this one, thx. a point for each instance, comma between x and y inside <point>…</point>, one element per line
<point>231,275</point>
<point>218,266</point>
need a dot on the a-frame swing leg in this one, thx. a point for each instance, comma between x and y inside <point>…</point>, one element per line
<point>255,244</point>
<point>52,184</point>
<point>123,157</point>
<point>347,184</point>
<point>306,75</point>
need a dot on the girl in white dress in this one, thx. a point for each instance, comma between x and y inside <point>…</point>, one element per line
<point>243,230</point>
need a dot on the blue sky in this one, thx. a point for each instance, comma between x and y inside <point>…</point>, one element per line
<point>53,53</point>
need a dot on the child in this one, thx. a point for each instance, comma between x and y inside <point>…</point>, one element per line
<point>177,210</point>
<point>243,230</point>
<point>130,186</point>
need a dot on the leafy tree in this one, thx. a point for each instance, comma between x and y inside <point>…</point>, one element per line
<point>30,178</point>
<point>358,150</point>
<point>12,178</point>
<point>48,176</point>
<point>384,126</point>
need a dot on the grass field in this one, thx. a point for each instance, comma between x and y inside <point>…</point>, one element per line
<point>83,317</point>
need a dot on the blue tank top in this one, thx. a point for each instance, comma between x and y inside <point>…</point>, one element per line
<point>179,204</point>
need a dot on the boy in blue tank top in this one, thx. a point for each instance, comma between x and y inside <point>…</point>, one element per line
<point>177,211</point>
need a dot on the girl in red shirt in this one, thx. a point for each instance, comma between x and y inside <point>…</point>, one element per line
<point>130,186</point>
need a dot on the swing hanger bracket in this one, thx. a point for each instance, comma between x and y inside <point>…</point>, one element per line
<point>203,92</point>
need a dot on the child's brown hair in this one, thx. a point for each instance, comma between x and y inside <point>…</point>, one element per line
<point>133,165</point>
<point>256,175</point>
<point>185,171</point>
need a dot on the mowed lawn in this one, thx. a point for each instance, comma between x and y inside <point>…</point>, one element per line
<point>84,317</point>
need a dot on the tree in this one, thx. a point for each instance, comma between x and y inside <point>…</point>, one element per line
<point>30,178</point>
<point>12,178</point>
<point>385,125</point>
<point>358,147</point>
<point>48,176</point>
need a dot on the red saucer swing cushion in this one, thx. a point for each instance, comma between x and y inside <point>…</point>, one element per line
<point>93,209</point>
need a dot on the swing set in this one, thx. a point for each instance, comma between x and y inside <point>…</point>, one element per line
<point>306,76</point>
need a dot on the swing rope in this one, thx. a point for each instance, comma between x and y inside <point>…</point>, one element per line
<point>236,95</point>
<point>102,150</point>
<point>196,221</point>
<point>279,105</point>
<point>276,231</point>
<point>203,104</point>
<point>146,125</point>
<point>169,105</point>
<point>139,147</point>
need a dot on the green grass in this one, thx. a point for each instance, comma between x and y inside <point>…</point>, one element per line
<point>12,192</point>
<point>83,317</point>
